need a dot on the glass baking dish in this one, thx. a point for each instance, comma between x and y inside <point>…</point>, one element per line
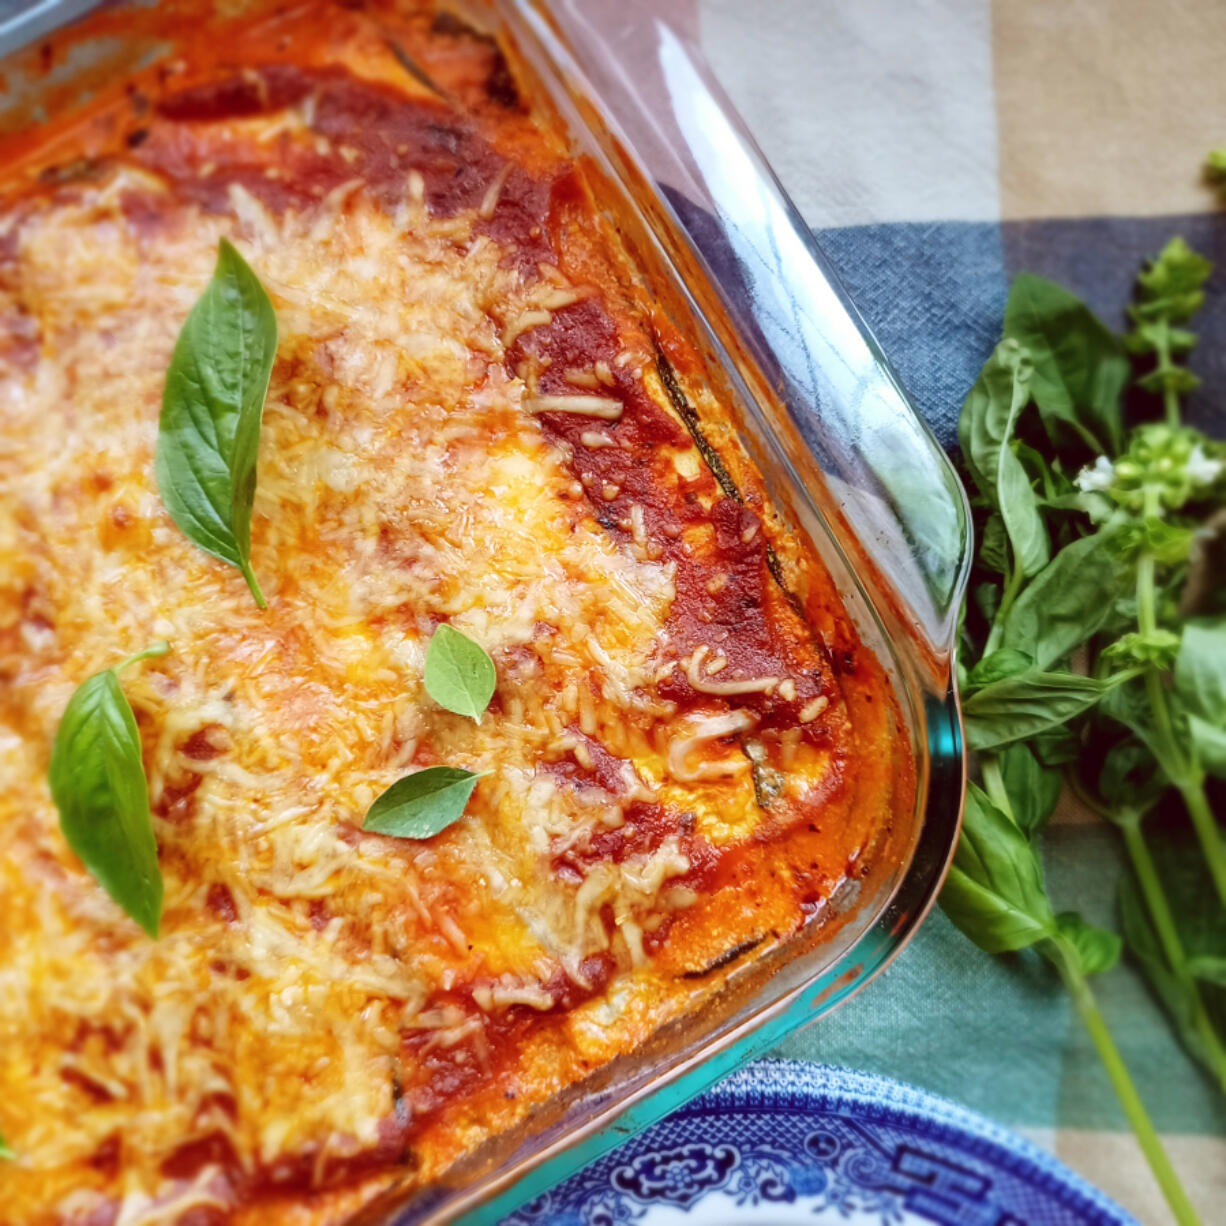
<point>844,456</point>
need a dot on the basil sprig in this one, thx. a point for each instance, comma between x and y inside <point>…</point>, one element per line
<point>1093,532</point>
<point>212,406</point>
<point>98,784</point>
<point>459,674</point>
<point>422,804</point>
<point>6,1153</point>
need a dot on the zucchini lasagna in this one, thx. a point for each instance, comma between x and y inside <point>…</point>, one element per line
<point>481,414</point>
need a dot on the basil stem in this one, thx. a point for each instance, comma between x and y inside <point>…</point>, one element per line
<point>1125,1090</point>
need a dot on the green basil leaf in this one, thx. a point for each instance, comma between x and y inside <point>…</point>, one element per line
<point>1200,669</point>
<point>1175,379</point>
<point>1177,994</point>
<point>986,598</point>
<point>994,546</point>
<point>422,804</point>
<point>1066,602</point>
<point>1171,288</point>
<point>986,429</point>
<point>1188,885</point>
<point>1005,662</point>
<point>459,674</point>
<point>1128,704</point>
<point>1080,368</point>
<point>1170,543</point>
<point>1208,744</point>
<point>1051,485</point>
<point>212,406</point>
<point>1019,707</point>
<point>1095,950</point>
<point>6,1153</point>
<point>97,780</point>
<point>994,892</point>
<point>1130,781</point>
<point>1033,789</point>
<point>1157,647</point>
<point>1208,968</point>
<point>1055,746</point>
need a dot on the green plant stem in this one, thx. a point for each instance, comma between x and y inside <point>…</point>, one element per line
<point>1013,586</point>
<point>1185,775</point>
<point>1206,827</point>
<point>1154,893</point>
<point>1170,397</point>
<point>1170,400</point>
<point>1126,1092</point>
<point>253,584</point>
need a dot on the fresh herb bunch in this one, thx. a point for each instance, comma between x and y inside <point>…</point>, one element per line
<point>1090,648</point>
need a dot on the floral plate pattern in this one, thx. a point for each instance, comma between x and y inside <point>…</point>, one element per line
<point>781,1143</point>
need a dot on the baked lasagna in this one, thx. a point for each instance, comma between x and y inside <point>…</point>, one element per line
<point>482,413</point>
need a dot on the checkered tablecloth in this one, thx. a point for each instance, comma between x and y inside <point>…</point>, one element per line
<point>938,147</point>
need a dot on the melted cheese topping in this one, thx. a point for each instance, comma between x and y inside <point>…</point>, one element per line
<point>322,998</point>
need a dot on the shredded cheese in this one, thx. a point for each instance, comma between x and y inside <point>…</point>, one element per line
<point>267,735</point>
<point>753,685</point>
<point>705,731</point>
<point>584,406</point>
<point>316,988</point>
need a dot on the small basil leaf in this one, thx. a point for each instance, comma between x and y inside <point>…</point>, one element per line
<point>1157,647</point>
<point>212,406</point>
<point>1005,662</point>
<point>6,1153</point>
<point>1174,379</point>
<point>994,892</point>
<point>1209,745</point>
<point>1209,969</point>
<point>1021,706</point>
<point>1032,788</point>
<point>986,429</point>
<point>1080,369</point>
<point>422,804</point>
<point>1095,949</point>
<point>1171,287</point>
<point>1050,483</point>
<point>459,674</point>
<point>1169,543</point>
<point>98,784</point>
<point>1066,602</point>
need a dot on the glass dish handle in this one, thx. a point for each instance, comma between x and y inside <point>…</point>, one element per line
<point>885,471</point>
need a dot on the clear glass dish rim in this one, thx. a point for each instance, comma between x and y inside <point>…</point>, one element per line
<point>925,650</point>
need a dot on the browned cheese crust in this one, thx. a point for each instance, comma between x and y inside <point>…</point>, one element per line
<point>477,416</point>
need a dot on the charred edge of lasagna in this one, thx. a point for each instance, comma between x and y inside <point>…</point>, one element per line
<point>416,71</point>
<point>713,460</point>
<point>727,958</point>
<point>500,87</point>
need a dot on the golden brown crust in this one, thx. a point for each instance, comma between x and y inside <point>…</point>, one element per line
<point>479,414</point>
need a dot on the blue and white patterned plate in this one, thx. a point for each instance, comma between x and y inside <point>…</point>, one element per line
<point>781,1143</point>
